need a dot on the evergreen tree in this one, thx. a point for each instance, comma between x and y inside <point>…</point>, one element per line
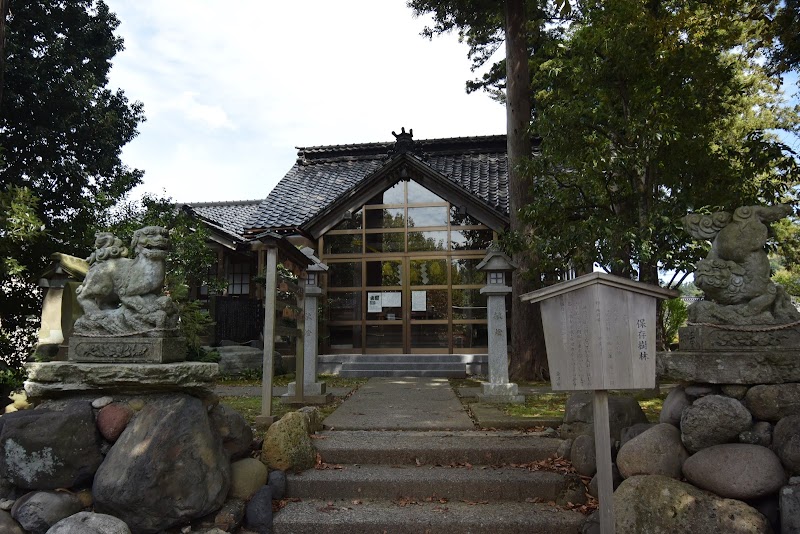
<point>61,133</point>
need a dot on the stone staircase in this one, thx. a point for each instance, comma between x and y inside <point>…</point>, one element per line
<point>431,482</point>
<point>421,365</point>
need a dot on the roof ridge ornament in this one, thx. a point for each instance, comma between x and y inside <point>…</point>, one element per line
<point>404,142</point>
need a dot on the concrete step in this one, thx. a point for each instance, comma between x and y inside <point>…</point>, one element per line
<point>421,358</point>
<point>335,363</point>
<point>451,517</point>
<point>392,447</point>
<point>358,372</point>
<point>392,366</point>
<point>475,483</point>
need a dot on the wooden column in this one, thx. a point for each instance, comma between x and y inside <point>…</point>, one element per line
<point>299,358</point>
<point>270,295</point>
<point>602,447</point>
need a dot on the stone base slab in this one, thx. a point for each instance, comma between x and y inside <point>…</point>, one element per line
<point>507,389</point>
<point>735,367</point>
<point>507,393</point>
<point>316,388</point>
<point>709,338</point>
<point>49,379</point>
<point>307,399</point>
<point>133,349</point>
<point>501,399</point>
<point>264,421</point>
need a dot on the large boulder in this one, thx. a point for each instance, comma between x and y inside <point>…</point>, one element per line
<point>237,436</point>
<point>259,511</point>
<point>736,470</point>
<point>39,510</point>
<point>90,523</point>
<point>287,445</point>
<point>786,442</point>
<point>167,468</point>
<point>112,420</point>
<point>8,525</point>
<point>631,432</point>
<point>230,516</point>
<point>774,401</point>
<point>760,434</point>
<point>713,420</point>
<point>623,412</point>
<point>48,449</point>
<point>584,455</point>
<point>655,504</point>
<point>790,508</point>
<point>673,406</point>
<point>248,475</point>
<point>657,451</point>
<point>277,482</point>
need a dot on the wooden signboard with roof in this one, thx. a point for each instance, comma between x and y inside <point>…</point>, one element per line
<point>600,333</point>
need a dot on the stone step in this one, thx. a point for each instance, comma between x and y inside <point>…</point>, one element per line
<point>335,363</point>
<point>399,366</point>
<point>394,447</point>
<point>421,358</point>
<point>403,517</point>
<point>474,483</point>
<point>358,372</point>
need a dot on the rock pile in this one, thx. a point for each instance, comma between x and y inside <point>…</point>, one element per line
<point>135,463</point>
<point>721,459</point>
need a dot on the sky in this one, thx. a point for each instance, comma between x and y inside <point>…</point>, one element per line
<point>229,93</point>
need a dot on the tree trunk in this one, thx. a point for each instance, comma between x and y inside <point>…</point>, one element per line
<point>5,6</point>
<point>528,359</point>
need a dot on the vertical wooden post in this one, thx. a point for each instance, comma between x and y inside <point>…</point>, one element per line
<point>602,441</point>
<point>270,294</point>
<point>261,269</point>
<point>299,373</point>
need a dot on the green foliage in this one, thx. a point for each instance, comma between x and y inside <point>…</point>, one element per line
<point>790,280</point>
<point>785,257</point>
<point>19,226</point>
<point>12,378</point>
<point>674,315</point>
<point>63,132</point>
<point>786,54</point>
<point>688,289</point>
<point>646,111</point>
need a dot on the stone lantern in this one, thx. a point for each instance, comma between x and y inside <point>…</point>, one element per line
<point>498,389</point>
<point>60,308</point>
<point>312,391</point>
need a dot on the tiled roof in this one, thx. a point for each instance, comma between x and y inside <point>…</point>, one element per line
<point>229,216</point>
<point>323,173</point>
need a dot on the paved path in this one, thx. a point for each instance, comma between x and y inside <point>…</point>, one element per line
<point>255,391</point>
<point>401,404</point>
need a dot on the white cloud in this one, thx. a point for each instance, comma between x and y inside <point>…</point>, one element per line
<point>211,116</point>
<point>230,89</point>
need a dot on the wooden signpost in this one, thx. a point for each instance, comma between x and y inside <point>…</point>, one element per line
<point>600,332</point>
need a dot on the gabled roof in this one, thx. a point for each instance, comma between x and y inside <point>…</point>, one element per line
<point>324,174</point>
<point>228,217</point>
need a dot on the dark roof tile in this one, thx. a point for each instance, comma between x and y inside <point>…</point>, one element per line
<point>230,216</point>
<point>322,174</point>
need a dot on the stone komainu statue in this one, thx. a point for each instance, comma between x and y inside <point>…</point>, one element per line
<point>736,274</point>
<point>125,296</point>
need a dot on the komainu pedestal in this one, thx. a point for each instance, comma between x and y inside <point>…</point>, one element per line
<point>134,349</point>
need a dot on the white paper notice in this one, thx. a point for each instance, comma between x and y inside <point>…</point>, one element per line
<point>419,301</point>
<point>392,299</point>
<point>374,303</point>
